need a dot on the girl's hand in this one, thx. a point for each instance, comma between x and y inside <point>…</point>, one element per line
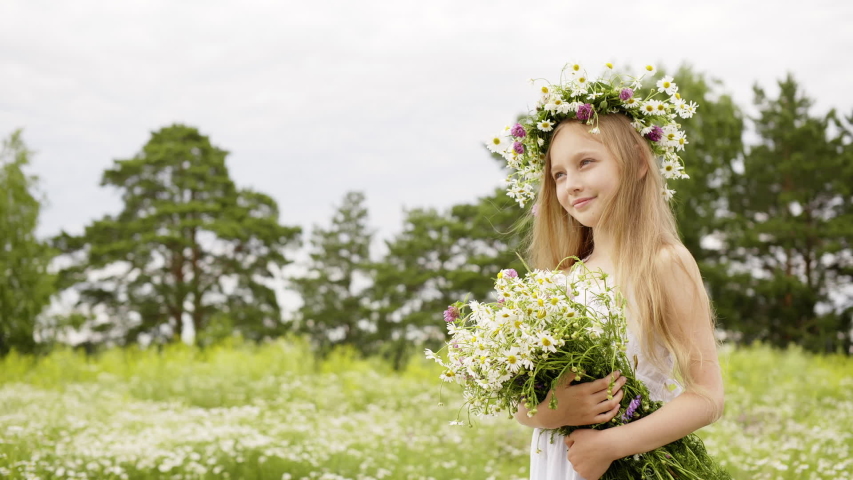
<point>577,404</point>
<point>589,452</point>
<point>587,403</point>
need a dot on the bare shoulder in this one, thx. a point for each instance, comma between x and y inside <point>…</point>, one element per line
<point>677,266</point>
<point>683,287</point>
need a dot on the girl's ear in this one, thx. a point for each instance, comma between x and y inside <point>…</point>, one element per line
<point>644,164</point>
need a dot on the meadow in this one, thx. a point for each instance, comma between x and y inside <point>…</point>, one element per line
<point>274,411</point>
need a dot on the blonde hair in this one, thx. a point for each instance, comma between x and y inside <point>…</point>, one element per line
<point>641,224</point>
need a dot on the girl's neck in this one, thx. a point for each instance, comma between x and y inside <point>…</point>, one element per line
<point>602,248</point>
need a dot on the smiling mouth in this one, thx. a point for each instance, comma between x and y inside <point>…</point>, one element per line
<point>583,203</point>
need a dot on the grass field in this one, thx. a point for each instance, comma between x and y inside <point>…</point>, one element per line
<point>274,411</point>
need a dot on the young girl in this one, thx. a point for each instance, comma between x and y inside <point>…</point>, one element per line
<point>601,199</point>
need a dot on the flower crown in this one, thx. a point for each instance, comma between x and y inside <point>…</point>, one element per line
<point>524,144</point>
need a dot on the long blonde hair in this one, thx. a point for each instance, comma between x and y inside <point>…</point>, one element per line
<point>641,224</point>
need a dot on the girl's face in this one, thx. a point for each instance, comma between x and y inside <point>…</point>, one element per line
<point>585,173</point>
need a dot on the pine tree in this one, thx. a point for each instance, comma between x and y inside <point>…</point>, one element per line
<point>333,312</point>
<point>791,226</point>
<point>26,285</point>
<point>188,246</point>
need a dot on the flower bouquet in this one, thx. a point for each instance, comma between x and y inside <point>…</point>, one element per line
<point>541,327</point>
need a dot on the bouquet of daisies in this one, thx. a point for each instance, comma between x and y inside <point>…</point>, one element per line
<point>541,327</point>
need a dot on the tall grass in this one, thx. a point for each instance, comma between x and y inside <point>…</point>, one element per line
<point>275,411</point>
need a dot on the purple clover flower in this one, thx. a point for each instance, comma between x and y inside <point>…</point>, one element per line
<point>451,314</point>
<point>632,408</point>
<point>625,94</point>
<point>518,131</point>
<point>518,147</point>
<point>501,299</point>
<point>656,134</point>
<point>584,111</point>
<point>510,273</point>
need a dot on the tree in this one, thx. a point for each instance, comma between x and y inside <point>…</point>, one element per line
<point>332,312</point>
<point>791,229</point>
<point>187,247</point>
<point>26,285</point>
<point>440,258</point>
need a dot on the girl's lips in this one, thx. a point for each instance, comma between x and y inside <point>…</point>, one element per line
<point>584,203</point>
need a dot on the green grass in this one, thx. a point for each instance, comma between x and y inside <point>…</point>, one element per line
<point>274,411</point>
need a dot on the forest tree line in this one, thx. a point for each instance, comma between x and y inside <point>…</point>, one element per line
<point>769,223</point>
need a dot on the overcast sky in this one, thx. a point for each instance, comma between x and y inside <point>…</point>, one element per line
<point>392,98</point>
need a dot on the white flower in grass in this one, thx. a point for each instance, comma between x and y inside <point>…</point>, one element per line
<point>581,82</point>
<point>649,70</point>
<point>691,109</point>
<point>512,359</point>
<point>666,84</point>
<point>575,68</point>
<point>448,376</point>
<point>545,125</point>
<point>667,193</point>
<point>497,143</point>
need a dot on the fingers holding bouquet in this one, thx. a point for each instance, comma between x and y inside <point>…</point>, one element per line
<point>592,402</point>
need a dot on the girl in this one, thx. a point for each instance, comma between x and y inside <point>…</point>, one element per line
<point>600,199</point>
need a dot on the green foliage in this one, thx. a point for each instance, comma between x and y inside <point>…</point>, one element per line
<point>26,285</point>
<point>437,259</point>
<point>188,245</point>
<point>790,226</point>
<point>331,300</point>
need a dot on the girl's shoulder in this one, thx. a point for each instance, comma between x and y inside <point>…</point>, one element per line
<point>674,261</point>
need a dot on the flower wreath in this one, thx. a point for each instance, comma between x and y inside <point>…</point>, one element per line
<point>524,144</point>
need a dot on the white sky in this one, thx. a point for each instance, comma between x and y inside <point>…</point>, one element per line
<point>392,98</point>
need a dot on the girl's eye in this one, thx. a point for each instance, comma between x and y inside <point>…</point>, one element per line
<point>557,176</point>
<point>586,160</point>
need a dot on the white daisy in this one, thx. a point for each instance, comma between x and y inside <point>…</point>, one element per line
<point>637,83</point>
<point>582,82</point>
<point>667,85</point>
<point>609,65</point>
<point>545,90</point>
<point>651,107</point>
<point>631,103</point>
<point>681,141</point>
<point>691,109</point>
<point>546,342</point>
<point>670,168</point>
<point>649,70</point>
<point>545,125</point>
<point>512,360</point>
<point>540,141</point>
<point>497,143</point>
<point>638,125</point>
<point>667,193</point>
<point>575,68</point>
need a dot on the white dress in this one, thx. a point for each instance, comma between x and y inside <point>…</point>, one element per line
<point>549,458</point>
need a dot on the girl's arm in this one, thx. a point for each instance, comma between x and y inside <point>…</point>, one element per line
<point>690,411</point>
